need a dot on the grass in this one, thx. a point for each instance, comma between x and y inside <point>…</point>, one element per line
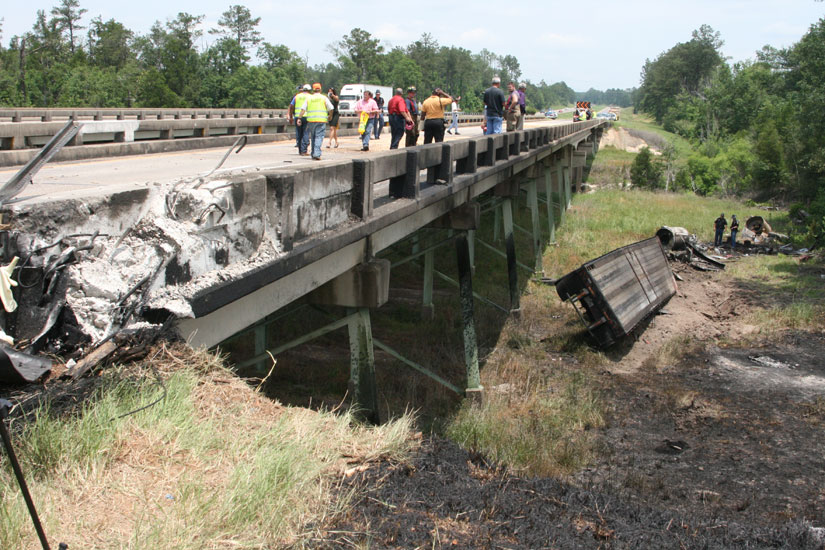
<point>543,380</point>
<point>646,128</point>
<point>214,465</point>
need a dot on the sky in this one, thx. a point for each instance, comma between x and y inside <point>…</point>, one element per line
<point>602,45</point>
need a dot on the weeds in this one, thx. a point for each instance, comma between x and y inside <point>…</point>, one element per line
<point>213,465</point>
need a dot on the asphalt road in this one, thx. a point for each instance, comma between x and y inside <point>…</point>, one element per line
<point>91,177</point>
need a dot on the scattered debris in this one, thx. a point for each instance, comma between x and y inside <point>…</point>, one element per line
<point>20,368</point>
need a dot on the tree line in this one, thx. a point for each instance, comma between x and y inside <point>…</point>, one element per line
<point>67,60</point>
<point>757,127</point>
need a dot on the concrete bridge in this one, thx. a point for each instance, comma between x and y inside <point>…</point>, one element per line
<point>120,132</point>
<point>221,254</point>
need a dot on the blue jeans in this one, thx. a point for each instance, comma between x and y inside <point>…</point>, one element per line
<point>493,125</point>
<point>379,125</point>
<point>454,123</point>
<point>316,131</point>
<point>717,241</point>
<point>365,139</point>
<point>733,238</point>
<point>301,135</point>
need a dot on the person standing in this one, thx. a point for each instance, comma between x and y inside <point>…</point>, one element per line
<point>719,225</point>
<point>734,229</point>
<point>412,108</point>
<point>334,119</point>
<point>367,105</point>
<point>379,120</point>
<point>454,109</point>
<point>433,111</point>
<point>399,117</point>
<point>512,112</point>
<point>301,137</point>
<point>494,106</point>
<point>522,103</point>
<point>316,109</point>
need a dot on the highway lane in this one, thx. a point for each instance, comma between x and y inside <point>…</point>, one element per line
<point>92,177</point>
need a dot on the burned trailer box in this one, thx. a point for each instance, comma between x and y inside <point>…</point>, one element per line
<point>615,292</point>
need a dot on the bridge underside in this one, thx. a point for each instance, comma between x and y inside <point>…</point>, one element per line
<point>219,256</point>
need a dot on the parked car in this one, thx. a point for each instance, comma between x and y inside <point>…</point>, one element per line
<point>550,113</point>
<point>603,115</point>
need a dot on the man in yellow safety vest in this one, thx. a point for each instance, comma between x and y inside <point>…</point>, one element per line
<point>316,108</point>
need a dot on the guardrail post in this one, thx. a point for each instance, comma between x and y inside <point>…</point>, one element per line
<point>489,157</point>
<point>444,171</point>
<point>465,282</point>
<point>469,164</point>
<point>362,190</point>
<point>407,185</point>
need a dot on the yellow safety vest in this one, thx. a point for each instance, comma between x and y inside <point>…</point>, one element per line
<point>317,108</point>
<point>299,100</point>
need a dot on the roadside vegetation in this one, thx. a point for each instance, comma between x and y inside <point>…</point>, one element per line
<point>755,127</point>
<point>214,464</point>
<point>545,404</point>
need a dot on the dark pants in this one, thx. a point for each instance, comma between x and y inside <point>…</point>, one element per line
<point>396,130</point>
<point>412,135</point>
<point>717,241</point>
<point>433,130</point>
<point>301,135</point>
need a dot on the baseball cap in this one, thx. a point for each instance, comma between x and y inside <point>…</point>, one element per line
<point>306,87</point>
<point>411,89</point>
<point>316,86</point>
<point>496,80</point>
<point>522,85</point>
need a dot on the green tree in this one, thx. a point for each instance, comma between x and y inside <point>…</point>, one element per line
<point>237,24</point>
<point>645,171</point>
<point>110,44</point>
<point>68,15</point>
<point>362,50</point>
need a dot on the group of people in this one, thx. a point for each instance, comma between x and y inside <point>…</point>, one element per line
<point>582,114</point>
<point>404,115</point>
<point>499,107</point>
<point>719,225</point>
<point>311,111</point>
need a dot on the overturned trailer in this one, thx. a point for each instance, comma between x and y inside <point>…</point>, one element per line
<point>615,292</point>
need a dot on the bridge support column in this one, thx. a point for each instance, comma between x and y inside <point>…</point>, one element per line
<point>568,176</point>
<point>497,224</point>
<point>362,364</point>
<point>427,307</point>
<point>465,281</point>
<point>260,346</point>
<point>533,202</point>
<point>366,286</point>
<point>579,162</point>
<point>561,195</point>
<point>551,214</point>
<point>510,245</point>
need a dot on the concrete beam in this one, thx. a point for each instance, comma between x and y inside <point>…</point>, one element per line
<point>365,286</point>
<point>464,218</point>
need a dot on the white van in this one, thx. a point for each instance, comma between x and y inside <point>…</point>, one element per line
<point>351,93</point>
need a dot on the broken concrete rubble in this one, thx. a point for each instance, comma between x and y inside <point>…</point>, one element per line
<point>93,266</point>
